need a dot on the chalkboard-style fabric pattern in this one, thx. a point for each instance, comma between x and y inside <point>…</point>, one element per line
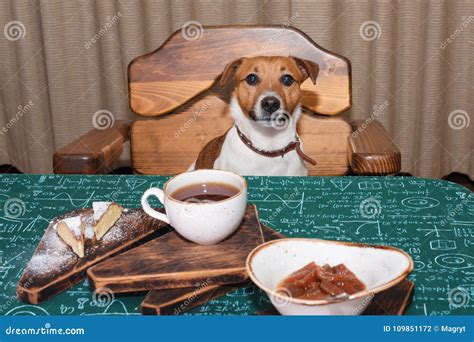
<point>433,220</point>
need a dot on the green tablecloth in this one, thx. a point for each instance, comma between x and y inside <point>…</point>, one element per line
<point>430,219</point>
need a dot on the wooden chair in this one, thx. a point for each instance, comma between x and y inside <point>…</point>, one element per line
<point>175,88</point>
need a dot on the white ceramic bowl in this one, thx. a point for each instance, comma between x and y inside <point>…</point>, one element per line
<point>378,267</point>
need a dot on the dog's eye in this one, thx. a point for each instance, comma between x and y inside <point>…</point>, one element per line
<point>252,79</point>
<point>287,80</point>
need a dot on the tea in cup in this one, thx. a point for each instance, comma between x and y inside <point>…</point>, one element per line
<point>204,206</point>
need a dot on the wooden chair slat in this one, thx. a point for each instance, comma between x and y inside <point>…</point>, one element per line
<point>170,144</point>
<point>182,68</point>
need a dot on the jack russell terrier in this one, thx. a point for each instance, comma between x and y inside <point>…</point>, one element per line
<point>265,106</point>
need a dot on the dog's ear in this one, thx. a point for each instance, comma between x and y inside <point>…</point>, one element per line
<point>229,71</point>
<point>308,68</point>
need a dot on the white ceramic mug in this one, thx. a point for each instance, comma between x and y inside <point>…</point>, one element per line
<point>203,223</point>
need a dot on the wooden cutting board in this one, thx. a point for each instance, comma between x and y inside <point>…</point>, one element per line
<point>179,300</point>
<point>170,261</point>
<point>54,268</point>
<point>393,301</point>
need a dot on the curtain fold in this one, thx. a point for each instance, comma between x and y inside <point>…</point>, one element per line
<point>61,62</point>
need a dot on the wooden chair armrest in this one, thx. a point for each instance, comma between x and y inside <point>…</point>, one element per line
<point>94,152</point>
<point>371,150</point>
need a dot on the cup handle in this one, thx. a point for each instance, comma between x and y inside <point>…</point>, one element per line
<point>158,193</point>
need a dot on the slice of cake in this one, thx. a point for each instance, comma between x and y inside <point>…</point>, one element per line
<point>71,230</point>
<point>105,215</point>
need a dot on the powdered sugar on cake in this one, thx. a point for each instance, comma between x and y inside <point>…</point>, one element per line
<point>89,233</point>
<point>119,230</point>
<point>54,259</point>
<point>55,255</point>
<point>88,221</point>
<point>74,224</point>
<point>100,208</point>
<point>45,263</point>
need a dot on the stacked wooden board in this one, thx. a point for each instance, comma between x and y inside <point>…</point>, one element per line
<point>177,274</point>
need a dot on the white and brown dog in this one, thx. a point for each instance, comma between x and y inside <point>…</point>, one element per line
<point>265,106</point>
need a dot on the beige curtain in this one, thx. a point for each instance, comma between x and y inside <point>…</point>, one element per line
<point>62,61</point>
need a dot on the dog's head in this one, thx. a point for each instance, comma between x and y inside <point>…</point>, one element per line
<point>268,88</point>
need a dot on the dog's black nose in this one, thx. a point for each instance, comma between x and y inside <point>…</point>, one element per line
<point>270,104</point>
